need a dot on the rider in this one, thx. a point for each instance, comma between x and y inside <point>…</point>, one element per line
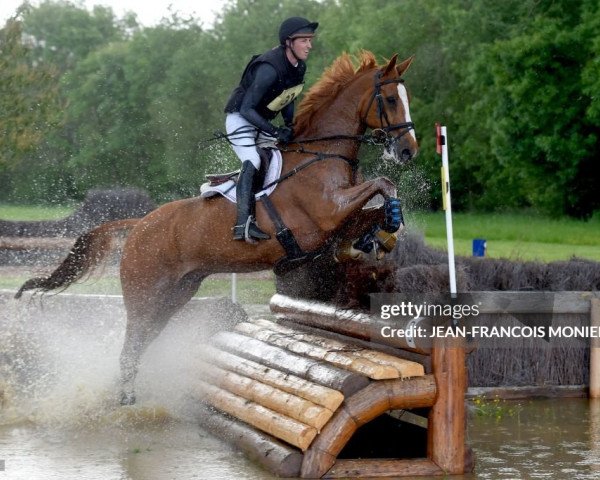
<point>269,85</point>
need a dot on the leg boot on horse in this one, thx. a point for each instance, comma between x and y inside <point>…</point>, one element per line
<point>245,227</point>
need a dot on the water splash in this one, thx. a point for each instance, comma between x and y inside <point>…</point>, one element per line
<point>220,157</point>
<point>59,363</point>
<point>56,372</point>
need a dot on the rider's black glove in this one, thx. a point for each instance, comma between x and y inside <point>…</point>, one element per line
<point>285,134</point>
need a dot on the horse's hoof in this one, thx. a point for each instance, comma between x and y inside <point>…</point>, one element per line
<point>127,399</point>
<point>346,252</point>
<point>386,240</point>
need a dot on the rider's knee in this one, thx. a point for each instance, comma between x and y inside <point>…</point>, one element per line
<point>253,160</point>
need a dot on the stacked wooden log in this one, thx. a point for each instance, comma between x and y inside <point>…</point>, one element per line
<point>291,395</point>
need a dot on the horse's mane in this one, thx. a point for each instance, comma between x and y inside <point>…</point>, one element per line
<point>335,77</point>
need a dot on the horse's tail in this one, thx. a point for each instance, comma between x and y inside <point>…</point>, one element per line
<point>89,251</point>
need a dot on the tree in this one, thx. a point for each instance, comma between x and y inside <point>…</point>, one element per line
<point>113,107</point>
<point>54,37</point>
<point>531,100</point>
<point>515,81</point>
<point>28,97</point>
<point>185,112</point>
<point>63,33</point>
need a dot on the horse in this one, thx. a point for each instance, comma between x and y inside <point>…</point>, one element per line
<point>321,195</point>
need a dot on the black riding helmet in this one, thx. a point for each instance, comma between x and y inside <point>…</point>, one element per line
<point>296,26</point>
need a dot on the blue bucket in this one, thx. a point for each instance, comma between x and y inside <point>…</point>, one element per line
<point>479,247</point>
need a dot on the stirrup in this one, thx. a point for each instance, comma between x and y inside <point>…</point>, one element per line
<point>249,231</point>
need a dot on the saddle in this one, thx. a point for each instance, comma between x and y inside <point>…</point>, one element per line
<point>294,254</point>
<point>216,179</point>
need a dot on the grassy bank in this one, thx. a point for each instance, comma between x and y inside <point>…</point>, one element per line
<point>518,236</point>
<point>34,212</point>
<point>250,290</point>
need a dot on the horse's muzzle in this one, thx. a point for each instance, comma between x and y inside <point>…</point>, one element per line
<point>400,152</point>
<point>406,155</point>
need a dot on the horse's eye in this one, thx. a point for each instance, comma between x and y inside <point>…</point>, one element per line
<point>391,100</point>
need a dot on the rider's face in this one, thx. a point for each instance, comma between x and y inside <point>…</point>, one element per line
<point>301,46</point>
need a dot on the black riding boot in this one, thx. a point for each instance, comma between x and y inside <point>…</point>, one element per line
<point>246,228</point>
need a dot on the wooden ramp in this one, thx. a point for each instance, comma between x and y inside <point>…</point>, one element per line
<point>291,396</point>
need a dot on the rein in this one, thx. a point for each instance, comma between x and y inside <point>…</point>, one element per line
<point>378,136</point>
<point>317,158</point>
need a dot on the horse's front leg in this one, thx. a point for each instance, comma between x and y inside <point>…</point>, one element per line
<point>364,235</point>
<point>371,229</point>
<point>349,201</point>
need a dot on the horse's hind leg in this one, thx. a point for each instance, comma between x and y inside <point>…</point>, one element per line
<point>137,337</point>
<point>146,318</point>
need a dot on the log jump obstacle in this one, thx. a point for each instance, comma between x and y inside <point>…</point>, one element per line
<point>292,393</point>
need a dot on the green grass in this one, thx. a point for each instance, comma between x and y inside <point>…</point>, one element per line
<point>256,291</point>
<point>34,212</point>
<point>516,236</point>
<point>249,291</point>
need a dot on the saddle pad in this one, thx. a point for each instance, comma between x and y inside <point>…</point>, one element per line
<point>227,189</point>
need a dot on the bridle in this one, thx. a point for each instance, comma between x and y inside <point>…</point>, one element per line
<point>380,135</point>
<point>383,132</point>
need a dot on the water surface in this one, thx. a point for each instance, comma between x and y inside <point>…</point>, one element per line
<point>59,417</point>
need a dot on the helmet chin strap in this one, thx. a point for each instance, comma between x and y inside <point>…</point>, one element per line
<point>290,45</point>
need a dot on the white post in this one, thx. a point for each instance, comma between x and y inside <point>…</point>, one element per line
<point>442,148</point>
<point>234,287</point>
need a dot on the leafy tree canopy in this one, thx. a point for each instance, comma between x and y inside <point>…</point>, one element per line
<point>99,100</point>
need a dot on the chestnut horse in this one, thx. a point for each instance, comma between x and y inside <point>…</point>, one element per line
<point>170,251</point>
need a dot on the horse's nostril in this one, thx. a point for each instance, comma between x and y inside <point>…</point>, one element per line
<point>406,154</point>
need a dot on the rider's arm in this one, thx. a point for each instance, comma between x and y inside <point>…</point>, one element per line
<point>288,114</point>
<point>265,77</point>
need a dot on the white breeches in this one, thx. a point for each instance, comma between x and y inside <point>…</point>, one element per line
<point>245,137</point>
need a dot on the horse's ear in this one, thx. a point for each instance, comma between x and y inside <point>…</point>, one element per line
<point>403,67</point>
<point>391,64</point>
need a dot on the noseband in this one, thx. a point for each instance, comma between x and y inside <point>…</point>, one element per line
<point>382,135</point>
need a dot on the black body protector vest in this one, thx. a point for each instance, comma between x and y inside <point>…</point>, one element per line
<point>290,81</point>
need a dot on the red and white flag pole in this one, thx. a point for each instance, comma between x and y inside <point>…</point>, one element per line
<point>442,149</point>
